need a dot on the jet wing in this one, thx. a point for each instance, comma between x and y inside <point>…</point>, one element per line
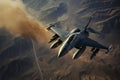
<point>61,33</point>
<point>92,43</point>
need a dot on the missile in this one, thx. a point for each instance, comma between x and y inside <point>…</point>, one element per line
<point>94,53</point>
<point>56,44</point>
<point>55,37</point>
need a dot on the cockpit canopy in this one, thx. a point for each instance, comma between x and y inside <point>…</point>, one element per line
<point>71,38</point>
<point>75,30</point>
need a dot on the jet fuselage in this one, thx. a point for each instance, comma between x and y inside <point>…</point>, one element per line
<point>74,40</point>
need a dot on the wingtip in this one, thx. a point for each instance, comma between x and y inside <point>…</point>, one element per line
<point>49,27</point>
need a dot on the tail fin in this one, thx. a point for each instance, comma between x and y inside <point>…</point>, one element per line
<point>88,23</point>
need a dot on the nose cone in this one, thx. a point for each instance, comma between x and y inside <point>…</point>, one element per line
<point>63,50</point>
<point>67,45</point>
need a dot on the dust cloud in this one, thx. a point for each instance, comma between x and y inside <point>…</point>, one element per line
<point>15,19</point>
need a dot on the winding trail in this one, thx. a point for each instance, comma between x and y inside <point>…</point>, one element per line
<point>37,61</point>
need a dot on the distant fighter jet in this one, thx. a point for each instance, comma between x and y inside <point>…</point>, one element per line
<point>77,38</point>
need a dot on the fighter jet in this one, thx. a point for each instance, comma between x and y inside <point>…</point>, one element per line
<point>77,38</point>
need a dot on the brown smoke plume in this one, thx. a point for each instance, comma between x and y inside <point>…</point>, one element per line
<point>14,18</point>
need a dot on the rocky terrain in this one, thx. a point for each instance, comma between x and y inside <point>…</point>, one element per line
<point>17,54</point>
